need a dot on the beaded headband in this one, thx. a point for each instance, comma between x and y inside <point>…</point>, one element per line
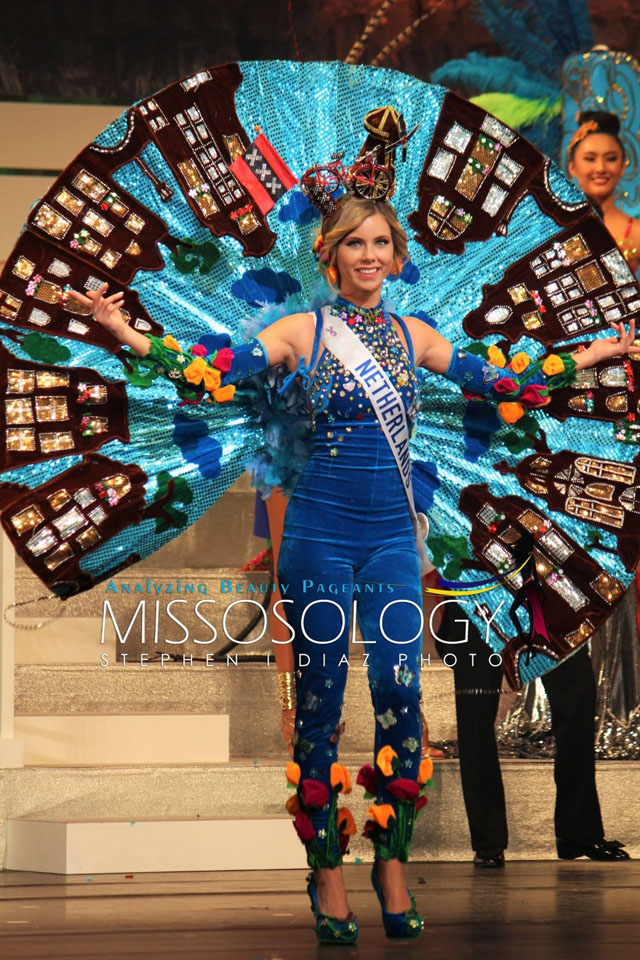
<point>372,175</point>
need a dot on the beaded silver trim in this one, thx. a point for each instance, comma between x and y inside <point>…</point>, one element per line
<point>123,142</point>
<point>580,205</point>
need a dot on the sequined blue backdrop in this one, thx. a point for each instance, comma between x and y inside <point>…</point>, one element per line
<point>309,111</point>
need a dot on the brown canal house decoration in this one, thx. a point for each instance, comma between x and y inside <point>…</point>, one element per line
<point>50,412</point>
<point>195,126</point>
<point>578,595</point>
<point>575,283</point>
<point>603,493</point>
<point>88,214</point>
<point>33,294</point>
<point>54,525</point>
<point>87,230</point>
<point>476,172</point>
<point>606,391</point>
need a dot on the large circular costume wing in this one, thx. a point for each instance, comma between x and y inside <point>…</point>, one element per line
<point>190,201</point>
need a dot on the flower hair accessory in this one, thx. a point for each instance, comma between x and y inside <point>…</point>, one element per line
<point>589,126</point>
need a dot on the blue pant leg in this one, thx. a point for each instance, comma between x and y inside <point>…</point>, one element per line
<point>393,619</point>
<point>320,618</point>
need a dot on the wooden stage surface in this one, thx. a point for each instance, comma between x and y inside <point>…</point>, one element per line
<point>529,910</point>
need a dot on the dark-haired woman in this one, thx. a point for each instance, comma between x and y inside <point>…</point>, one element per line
<point>596,158</point>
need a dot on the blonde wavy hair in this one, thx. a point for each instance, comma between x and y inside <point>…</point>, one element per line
<point>347,217</point>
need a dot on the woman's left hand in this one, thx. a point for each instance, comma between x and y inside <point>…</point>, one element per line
<point>606,347</point>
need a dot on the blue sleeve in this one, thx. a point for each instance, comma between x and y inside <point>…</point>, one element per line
<point>472,372</point>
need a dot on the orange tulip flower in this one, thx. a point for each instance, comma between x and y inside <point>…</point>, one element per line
<point>293,804</point>
<point>496,356</point>
<point>426,770</point>
<point>520,362</point>
<point>223,394</point>
<point>195,371</point>
<point>293,773</point>
<point>552,365</point>
<point>510,412</point>
<point>339,776</point>
<point>211,379</point>
<point>381,813</point>
<point>172,343</point>
<point>345,816</point>
<point>385,756</point>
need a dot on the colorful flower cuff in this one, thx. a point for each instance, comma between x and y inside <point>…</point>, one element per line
<point>519,384</point>
<point>390,825</point>
<point>198,371</point>
<point>325,847</point>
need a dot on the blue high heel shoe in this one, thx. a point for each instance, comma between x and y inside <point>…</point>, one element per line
<point>329,929</point>
<point>398,926</point>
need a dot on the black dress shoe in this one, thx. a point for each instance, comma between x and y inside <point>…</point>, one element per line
<point>601,850</point>
<point>491,858</point>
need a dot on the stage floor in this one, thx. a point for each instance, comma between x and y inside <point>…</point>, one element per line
<point>530,909</point>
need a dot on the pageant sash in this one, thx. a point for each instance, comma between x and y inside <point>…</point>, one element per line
<point>389,409</point>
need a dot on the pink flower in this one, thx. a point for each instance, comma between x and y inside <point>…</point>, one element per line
<point>197,350</point>
<point>403,789</point>
<point>368,778</point>
<point>505,385</point>
<point>73,244</point>
<point>314,793</point>
<point>304,827</point>
<point>534,395</point>
<point>223,359</point>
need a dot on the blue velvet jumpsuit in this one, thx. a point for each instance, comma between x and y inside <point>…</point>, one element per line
<point>348,538</point>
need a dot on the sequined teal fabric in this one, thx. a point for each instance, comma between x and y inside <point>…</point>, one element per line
<point>309,111</point>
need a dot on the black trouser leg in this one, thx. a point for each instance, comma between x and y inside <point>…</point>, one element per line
<point>571,689</point>
<point>477,686</point>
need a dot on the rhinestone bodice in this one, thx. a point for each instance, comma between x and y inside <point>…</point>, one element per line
<point>334,392</point>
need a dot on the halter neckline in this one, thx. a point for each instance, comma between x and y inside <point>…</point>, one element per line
<point>352,312</point>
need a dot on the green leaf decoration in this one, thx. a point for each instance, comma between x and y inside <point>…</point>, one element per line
<point>171,518</point>
<point>479,349</point>
<point>139,379</point>
<point>200,256</point>
<point>522,436</point>
<point>451,549</point>
<point>593,541</point>
<point>171,490</point>
<point>182,492</point>
<point>453,570</point>
<point>45,349</point>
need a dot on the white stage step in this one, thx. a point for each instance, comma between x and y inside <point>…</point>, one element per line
<point>248,694</point>
<point>256,791</point>
<point>81,740</point>
<point>151,846</point>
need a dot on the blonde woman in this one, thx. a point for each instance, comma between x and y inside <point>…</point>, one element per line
<point>350,536</point>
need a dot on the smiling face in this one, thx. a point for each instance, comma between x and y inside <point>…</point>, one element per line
<point>364,259</point>
<point>597,164</point>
